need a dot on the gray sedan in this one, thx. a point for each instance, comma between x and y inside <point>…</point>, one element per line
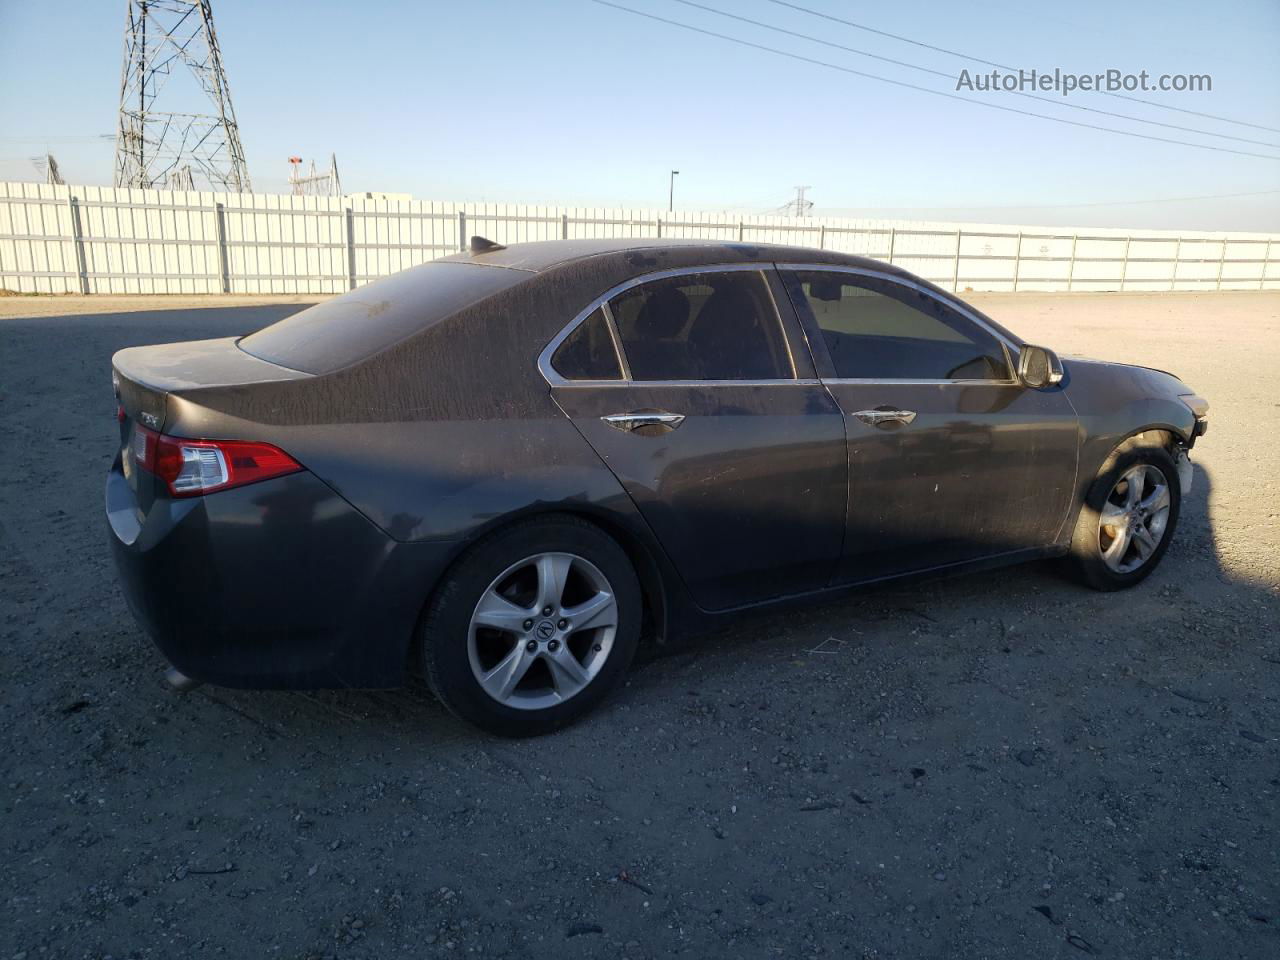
<point>504,469</point>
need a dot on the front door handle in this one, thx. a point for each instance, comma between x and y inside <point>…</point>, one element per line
<point>880,418</point>
<point>627,422</point>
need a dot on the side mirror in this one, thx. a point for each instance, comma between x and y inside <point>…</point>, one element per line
<point>1038,367</point>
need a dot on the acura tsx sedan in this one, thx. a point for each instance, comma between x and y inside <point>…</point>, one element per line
<point>501,470</point>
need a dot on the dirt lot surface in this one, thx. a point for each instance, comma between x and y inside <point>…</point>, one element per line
<point>1005,765</point>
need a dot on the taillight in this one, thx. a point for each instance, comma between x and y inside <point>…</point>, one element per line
<point>191,468</point>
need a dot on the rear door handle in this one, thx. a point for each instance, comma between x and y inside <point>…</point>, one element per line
<point>626,422</point>
<point>879,418</point>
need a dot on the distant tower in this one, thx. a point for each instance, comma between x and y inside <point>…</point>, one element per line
<point>48,168</point>
<point>315,184</point>
<point>799,206</point>
<point>172,62</point>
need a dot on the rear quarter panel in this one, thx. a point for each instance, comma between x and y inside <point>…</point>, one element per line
<point>437,437</point>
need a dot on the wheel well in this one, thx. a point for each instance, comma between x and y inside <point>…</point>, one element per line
<point>1152,436</point>
<point>652,586</point>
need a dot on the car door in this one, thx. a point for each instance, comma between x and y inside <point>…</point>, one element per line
<point>703,401</point>
<point>950,458</point>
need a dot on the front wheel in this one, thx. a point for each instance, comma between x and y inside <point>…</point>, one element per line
<point>532,627</point>
<point>1128,518</point>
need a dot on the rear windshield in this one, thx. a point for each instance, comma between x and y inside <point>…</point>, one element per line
<point>356,325</point>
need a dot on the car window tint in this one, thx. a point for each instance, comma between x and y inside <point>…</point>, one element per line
<point>587,353</point>
<point>702,326</point>
<point>353,327</point>
<point>879,330</point>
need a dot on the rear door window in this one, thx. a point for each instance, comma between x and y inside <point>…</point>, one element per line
<point>875,329</point>
<point>353,327</point>
<point>718,325</point>
<point>588,352</point>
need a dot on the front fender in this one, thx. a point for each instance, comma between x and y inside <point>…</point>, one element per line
<point>1114,401</point>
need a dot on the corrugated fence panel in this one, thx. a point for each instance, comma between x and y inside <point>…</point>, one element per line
<point>36,252</point>
<point>73,239</point>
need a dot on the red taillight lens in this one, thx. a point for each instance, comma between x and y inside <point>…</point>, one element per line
<point>191,468</point>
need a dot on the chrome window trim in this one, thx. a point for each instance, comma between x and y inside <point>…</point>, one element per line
<point>1005,342</point>
<point>615,338</point>
<point>855,381</point>
<point>806,381</point>
<point>555,380</point>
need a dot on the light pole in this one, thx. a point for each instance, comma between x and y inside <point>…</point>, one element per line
<point>671,191</point>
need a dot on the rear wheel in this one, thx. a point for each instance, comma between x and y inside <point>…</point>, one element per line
<point>1128,517</point>
<point>532,627</point>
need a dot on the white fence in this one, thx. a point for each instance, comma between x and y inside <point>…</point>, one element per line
<point>103,240</point>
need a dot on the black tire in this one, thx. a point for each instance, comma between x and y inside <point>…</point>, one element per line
<point>442,641</point>
<point>1086,559</point>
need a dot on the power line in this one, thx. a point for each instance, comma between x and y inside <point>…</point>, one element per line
<point>1005,66</point>
<point>936,93</point>
<point>952,76</point>
<point>825,43</point>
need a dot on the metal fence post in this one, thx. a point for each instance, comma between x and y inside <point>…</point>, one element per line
<point>955,272</point>
<point>1071,264</point>
<point>822,236</point>
<point>462,230</point>
<point>1266,262</point>
<point>1221,262</point>
<point>659,223</point>
<point>1124,264</point>
<point>77,243</point>
<point>742,229</point>
<point>1177,257</point>
<point>1017,262</point>
<point>351,248</point>
<point>893,236</point>
<point>220,231</point>
<point>564,226</point>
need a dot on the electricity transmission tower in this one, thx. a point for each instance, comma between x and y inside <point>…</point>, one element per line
<point>799,206</point>
<point>315,184</point>
<point>176,119</point>
<point>48,168</point>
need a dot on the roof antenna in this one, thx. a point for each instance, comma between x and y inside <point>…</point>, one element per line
<point>481,245</point>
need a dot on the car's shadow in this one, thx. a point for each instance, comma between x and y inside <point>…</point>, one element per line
<point>1009,594</point>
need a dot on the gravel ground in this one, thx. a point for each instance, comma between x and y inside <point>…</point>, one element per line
<point>1001,765</point>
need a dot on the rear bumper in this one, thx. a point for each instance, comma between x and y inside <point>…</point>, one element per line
<point>279,584</point>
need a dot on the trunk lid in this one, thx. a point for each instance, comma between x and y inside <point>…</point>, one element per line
<point>145,378</point>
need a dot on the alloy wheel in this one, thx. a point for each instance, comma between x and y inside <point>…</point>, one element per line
<point>1134,518</point>
<point>542,630</point>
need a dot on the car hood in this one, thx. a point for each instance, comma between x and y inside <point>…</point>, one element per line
<point>1155,376</point>
<point>1077,358</point>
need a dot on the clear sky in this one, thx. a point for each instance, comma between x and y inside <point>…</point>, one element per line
<point>572,102</point>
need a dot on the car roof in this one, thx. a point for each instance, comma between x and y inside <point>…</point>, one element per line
<point>543,255</point>
<point>593,266</point>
